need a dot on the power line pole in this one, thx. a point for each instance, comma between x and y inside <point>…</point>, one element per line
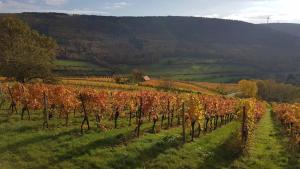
<point>268,19</point>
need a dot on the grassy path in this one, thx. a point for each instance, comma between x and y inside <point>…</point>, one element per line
<point>204,152</point>
<point>269,149</point>
<point>23,144</point>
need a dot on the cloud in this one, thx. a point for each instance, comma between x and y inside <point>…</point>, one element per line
<point>215,15</point>
<point>12,6</point>
<point>255,11</point>
<point>17,6</point>
<point>55,2</point>
<point>117,5</point>
<point>85,11</point>
<point>252,17</point>
<point>277,10</point>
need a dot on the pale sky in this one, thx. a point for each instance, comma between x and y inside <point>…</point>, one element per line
<point>255,11</point>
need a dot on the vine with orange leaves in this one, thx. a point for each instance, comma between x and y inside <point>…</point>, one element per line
<point>190,110</point>
<point>250,111</point>
<point>289,116</point>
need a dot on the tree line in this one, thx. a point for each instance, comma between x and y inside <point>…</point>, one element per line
<point>270,90</point>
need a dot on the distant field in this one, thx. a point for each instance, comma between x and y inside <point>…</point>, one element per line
<point>219,87</point>
<point>178,85</point>
<point>108,83</point>
<point>79,68</point>
<point>190,71</point>
<point>85,82</point>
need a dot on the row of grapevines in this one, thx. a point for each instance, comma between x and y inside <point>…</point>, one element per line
<point>250,111</point>
<point>209,110</point>
<point>216,108</point>
<point>289,116</point>
<point>170,109</point>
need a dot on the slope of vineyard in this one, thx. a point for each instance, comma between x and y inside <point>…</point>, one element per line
<point>24,144</point>
<point>224,88</point>
<point>101,84</point>
<point>185,86</point>
<point>80,126</point>
<point>144,107</point>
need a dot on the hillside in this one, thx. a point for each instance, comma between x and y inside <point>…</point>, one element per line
<point>290,28</point>
<point>185,48</point>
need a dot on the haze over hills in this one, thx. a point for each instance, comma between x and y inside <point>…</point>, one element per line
<point>186,48</point>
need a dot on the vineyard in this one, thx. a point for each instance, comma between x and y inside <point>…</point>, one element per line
<point>82,91</point>
<point>180,119</point>
<point>189,109</point>
<point>289,116</point>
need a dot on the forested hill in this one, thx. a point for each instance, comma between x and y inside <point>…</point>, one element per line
<point>290,28</point>
<point>131,41</point>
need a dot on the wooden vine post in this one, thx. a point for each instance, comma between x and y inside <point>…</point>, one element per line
<point>155,118</point>
<point>117,114</point>
<point>85,118</point>
<point>199,129</point>
<point>206,119</point>
<point>45,112</point>
<point>132,113</point>
<point>2,101</point>
<point>292,129</point>
<point>130,117</point>
<point>139,122</point>
<point>183,124</point>
<point>162,121</point>
<point>98,118</point>
<point>25,108</point>
<point>216,122</point>
<point>193,128</point>
<point>169,118</point>
<point>178,117</point>
<point>244,127</point>
<point>172,116</point>
<point>13,105</point>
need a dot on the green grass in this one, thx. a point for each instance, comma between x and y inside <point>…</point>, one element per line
<point>24,144</point>
<point>79,68</point>
<point>205,152</point>
<point>269,149</point>
<point>188,69</point>
<point>198,69</point>
<point>187,74</point>
<point>77,64</point>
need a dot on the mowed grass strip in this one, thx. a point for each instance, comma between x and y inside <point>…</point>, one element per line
<point>269,149</point>
<point>212,150</point>
<point>24,144</point>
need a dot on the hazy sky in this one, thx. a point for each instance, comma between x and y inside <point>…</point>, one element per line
<point>255,11</point>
